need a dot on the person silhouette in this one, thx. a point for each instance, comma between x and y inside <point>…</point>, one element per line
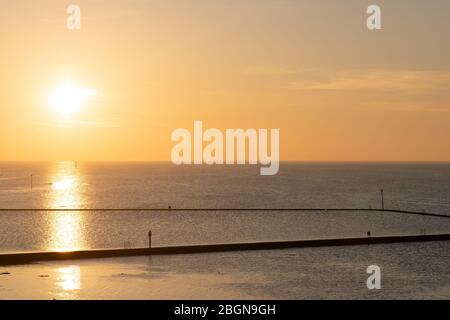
<point>150,239</point>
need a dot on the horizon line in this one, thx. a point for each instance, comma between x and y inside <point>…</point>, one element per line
<point>224,164</point>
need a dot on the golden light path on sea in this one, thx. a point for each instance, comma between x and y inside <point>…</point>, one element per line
<point>66,227</point>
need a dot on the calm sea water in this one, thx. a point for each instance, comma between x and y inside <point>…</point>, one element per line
<point>159,185</point>
<point>409,270</point>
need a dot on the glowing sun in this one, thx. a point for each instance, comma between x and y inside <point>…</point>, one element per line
<point>67,98</point>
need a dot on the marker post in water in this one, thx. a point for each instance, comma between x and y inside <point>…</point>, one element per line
<point>382,199</point>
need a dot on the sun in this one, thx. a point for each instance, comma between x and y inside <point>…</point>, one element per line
<point>67,98</point>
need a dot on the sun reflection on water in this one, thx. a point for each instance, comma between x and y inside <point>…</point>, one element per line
<point>69,278</point>
<point>66,226</point>
<point>64,184</point>
<point>66,231</point>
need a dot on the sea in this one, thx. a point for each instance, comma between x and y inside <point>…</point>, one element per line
<point>416,270</point>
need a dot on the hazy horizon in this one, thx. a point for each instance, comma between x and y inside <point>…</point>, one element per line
<point>282,161</point>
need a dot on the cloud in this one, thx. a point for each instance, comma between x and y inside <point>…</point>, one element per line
<point>78,123</point>
<point>384,80</point>
<point>367,79</point>
<point>401,90</point>
<point>114,15</point>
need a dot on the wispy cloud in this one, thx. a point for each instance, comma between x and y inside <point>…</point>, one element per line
<point>400,90</point>
<point>112,15</point>
<point>377,80</point>
<point>78,123</point>
<point>367,79</point>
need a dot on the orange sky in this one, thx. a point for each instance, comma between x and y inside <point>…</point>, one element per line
<point>311,68</point>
